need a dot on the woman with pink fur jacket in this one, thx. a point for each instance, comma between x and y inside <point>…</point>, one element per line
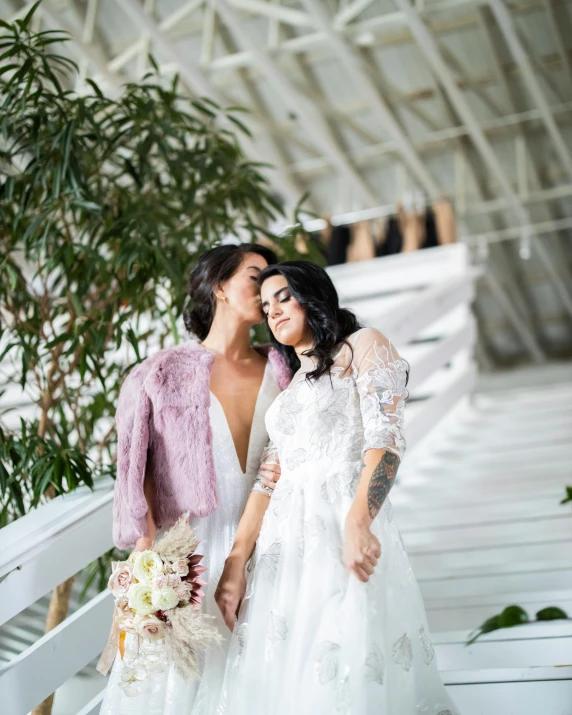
<point>191,438</point>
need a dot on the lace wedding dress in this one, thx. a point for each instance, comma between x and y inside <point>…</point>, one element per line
<point>167,693</point>
<point>311,639</point>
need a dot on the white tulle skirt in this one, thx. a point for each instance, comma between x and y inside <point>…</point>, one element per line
<point>313,640</point>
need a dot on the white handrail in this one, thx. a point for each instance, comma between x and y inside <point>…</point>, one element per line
<point>35,565</point>
<point>57,656</point>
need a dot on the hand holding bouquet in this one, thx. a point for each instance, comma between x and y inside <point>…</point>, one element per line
<point>158,596</point>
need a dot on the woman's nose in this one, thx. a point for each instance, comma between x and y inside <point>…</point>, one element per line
<point>275,310</point>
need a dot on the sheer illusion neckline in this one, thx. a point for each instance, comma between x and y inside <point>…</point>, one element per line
<point>254,418</point>
<point>307,364</point>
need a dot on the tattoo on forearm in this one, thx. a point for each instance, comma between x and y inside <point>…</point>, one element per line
<point>381,482</point>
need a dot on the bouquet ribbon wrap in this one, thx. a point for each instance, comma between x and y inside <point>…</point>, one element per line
<point>110,651</point>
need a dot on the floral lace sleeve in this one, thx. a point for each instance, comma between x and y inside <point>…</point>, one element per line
<point>381,377</point>
<point>269,456</point>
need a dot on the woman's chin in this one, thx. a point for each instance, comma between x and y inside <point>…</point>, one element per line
<point>284,338</point>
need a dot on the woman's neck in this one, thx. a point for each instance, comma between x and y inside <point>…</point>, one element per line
<point>306,362</point>
<point>303,347</point>
<point>230,340</point>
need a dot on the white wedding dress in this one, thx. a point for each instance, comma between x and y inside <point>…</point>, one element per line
<point>167,693</point>
<point>311,639</point>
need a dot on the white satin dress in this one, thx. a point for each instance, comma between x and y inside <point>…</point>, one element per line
<point>167,693</point>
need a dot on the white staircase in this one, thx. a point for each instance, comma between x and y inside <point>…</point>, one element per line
<point>479,508</point>
<point>477,501</point>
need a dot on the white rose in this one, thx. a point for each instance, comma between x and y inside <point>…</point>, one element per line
<point>147,565</point>
<point>164,599</point>
<point>140,598</point>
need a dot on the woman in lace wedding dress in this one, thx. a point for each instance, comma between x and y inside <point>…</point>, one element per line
<point>332,619</point>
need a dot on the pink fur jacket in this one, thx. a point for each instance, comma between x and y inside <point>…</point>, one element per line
<point>162,417</point>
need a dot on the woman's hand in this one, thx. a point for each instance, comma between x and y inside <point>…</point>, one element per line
<point>270,473</point>
<point>143,543</point>
<point>231,589</point>
<point>361,548</point>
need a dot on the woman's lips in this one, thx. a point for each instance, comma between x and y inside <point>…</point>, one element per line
<point>281,322</point>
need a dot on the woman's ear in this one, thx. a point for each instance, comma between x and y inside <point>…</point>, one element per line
<point>219,293</point>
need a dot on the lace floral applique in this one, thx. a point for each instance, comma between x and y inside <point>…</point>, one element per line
<point>313,529</point>
<point>278,629</point>
<point>268,562</point>
<point>375,665</point>
<point>382,389</point>
<point>427,646</point>
<point>277,633</point>
<point>281,499</point>
<point>402,652</point>
<point>289,407</point>
<point>326,658</point>
<point>298,457</point>
<point>388,510</point>
<point>331,420</point>
<point>241,633</point>
<point>336,485</point>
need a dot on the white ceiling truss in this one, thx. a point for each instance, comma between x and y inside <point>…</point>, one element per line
<point>357,101</point>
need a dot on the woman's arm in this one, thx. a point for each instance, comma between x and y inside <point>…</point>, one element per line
<point>145,541</point>
<point>232,585</point>
<point>381,380</point>
<point>361,548</point>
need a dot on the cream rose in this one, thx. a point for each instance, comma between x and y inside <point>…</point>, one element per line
<point>147,565</point>
<point>120,579</point>
<point>150,627</point>
<point>140,598</point>
<point>181,568</point>
<point>164,599</point>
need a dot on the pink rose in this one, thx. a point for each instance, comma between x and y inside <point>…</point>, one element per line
<point>150,627</point>
<point>161,581</point>
<point>166,581</point>
<point>180,567</point>
<point>174,581</point>
<point>184,591</point>
<point>120,579</point>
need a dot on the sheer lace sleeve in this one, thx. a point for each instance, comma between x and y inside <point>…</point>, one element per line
<point>269,456</point>
<point>381,377</point>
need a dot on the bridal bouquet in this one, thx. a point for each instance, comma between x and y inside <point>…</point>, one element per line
<point>158,596</point>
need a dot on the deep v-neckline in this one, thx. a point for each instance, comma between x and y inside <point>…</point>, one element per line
<point>254,417</point>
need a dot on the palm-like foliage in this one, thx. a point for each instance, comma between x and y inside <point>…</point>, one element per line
<point>104,203</point>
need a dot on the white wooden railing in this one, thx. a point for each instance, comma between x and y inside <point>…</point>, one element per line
<point>420,301</point>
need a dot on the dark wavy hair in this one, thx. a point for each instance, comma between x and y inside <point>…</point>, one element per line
<point>329,324</point>
<point>213,268</point>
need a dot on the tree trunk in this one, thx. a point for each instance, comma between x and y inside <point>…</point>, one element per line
<point>57,613</point>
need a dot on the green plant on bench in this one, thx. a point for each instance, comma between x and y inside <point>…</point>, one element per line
<point>516,615</point>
